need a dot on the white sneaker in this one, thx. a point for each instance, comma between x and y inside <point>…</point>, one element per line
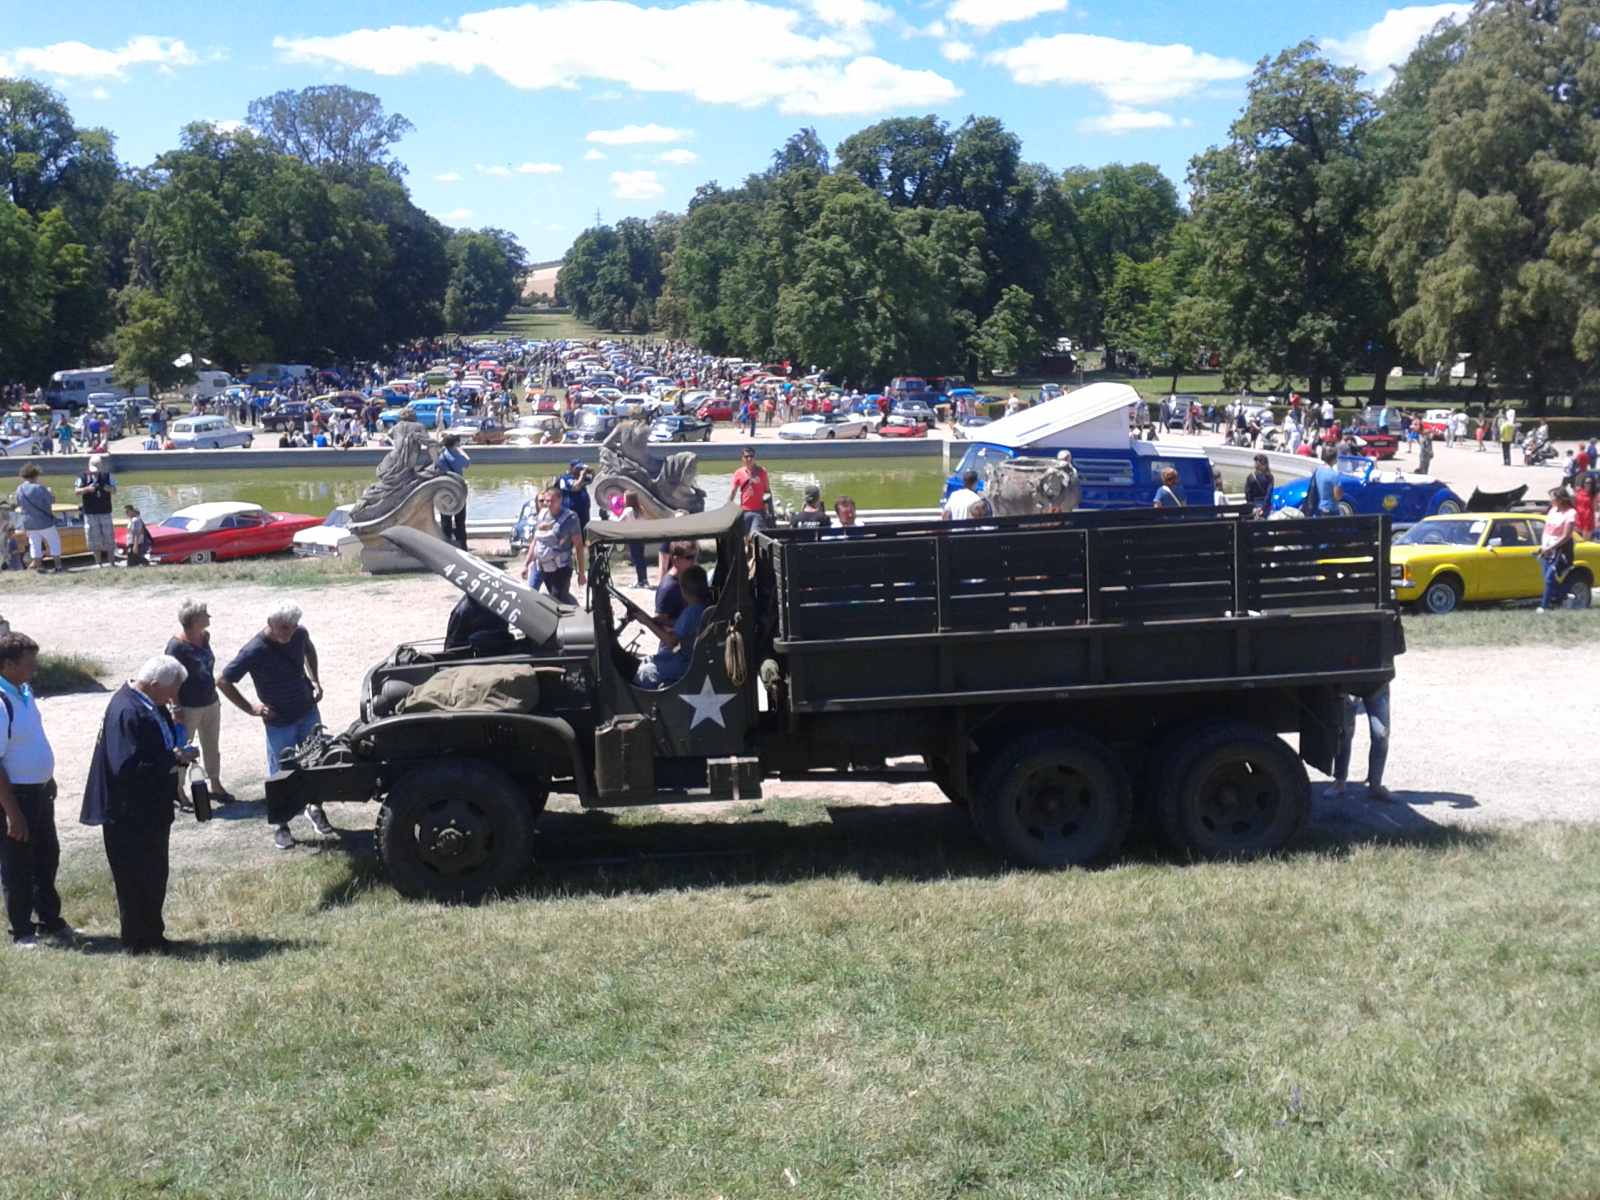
<point>1541,609</point>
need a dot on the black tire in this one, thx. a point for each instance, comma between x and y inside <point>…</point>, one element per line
<point>830,435</point>
<point>455,831</point>
<point>1442,595</point>
<point>1231,790</point>
<point>1449,508</point>
<point>202,556</point>
<point>1346,509</point>
<point>1581,588</point>
<point>1053,798</point>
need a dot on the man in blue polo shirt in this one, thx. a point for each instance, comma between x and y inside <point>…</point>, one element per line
<point>29,851</point>
<point>282,664</point>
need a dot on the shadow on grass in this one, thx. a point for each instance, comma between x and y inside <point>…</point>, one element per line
<point>242,949</point>
<point>606,851</point>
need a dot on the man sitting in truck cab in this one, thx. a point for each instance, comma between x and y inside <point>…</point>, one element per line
<point>671,661</point>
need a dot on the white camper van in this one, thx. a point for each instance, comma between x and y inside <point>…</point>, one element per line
<point>71,389</point>
<point>211,384</point>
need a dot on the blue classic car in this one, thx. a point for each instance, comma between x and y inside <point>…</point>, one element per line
<point>1371,491</point>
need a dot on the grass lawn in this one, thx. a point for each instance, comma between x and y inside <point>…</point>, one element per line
<point>1410,392</point>
<point>1497,626</point>
<point>287,571</point>
<point>863,1008</point>
<point>541,324</point>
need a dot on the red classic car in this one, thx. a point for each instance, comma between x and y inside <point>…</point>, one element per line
<point>204,533</point>
<point>897,425</point>
<point>1372,442</point>
<point>716,410</point>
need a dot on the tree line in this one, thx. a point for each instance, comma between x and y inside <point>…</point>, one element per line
<point>292,238</point>
<point>1337,231</point>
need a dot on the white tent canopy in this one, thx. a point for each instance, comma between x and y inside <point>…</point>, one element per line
<point>1091,418</point>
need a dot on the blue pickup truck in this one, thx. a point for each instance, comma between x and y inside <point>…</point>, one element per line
<point>1116,469</point>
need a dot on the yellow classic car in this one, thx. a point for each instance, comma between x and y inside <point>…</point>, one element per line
<point>1444,561</point>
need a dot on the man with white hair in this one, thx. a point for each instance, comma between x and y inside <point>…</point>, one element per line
<point>133,784</point>
<point>282,664</point>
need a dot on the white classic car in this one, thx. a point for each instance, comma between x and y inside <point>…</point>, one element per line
<point>824,427</point>
<point>331,539</point>
<point>207,433</point>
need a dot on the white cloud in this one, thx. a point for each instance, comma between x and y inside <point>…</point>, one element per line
<point>540,169</point>
<point>75,60</point>
<point>634,135</point>
<point>636,185</point>
<point>957,51</point>
<point>483,170</point>
<point>679,157</point>
<point>987,14</point>
<point>1380,48</point>
<point>230,126</point>
<point>1126,120</point>
<point>99,93</point>
<point>595,156</point>
<point>1125,73</point>
<point>849,14</point>
<point>458,214</point>
<point>648,49</point>
<point>448,177</point>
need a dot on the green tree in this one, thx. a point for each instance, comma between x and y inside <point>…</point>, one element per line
<point>1153,310</point>
<point>874,288</point>
<point>1493,246</point>
<point>24,303</point>
<point>330,126</point>
<point>487,267</point>
<point>256,255</point>
<point>613,275</point>
<point>1011,337</point>
<point>1089,221</point>
<point>1282,212</point>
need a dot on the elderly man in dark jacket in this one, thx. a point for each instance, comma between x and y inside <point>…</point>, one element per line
<point>131,794</point>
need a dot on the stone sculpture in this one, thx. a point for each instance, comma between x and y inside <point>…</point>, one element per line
<point>1021,486</point>
<point>411,486</point>
<point>663,489</point>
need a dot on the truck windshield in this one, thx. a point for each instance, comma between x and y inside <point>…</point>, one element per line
<point>978,458</point>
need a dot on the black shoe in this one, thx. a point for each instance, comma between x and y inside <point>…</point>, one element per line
<point>282,838</point>
<point>319,820</point>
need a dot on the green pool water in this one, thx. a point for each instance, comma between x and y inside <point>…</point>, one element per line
<point>499,492</point>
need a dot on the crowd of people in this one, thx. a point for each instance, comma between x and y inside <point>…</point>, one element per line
<point>158,725</point>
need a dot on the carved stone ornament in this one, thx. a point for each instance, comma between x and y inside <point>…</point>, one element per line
<point>1020,486</point>
<point>664,489</point>
<point>411,488</point>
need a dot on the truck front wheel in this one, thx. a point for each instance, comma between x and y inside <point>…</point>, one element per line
<point>1053,798</point>
<point>454,830</point>
<point>1231,790</point>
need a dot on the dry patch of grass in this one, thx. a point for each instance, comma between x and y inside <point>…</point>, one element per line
<point>844,1013</point>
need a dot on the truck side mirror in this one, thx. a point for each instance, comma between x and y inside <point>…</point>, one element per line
<point>1493,542</point>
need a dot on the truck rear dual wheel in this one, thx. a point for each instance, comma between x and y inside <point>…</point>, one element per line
<point>1053,798</point>
<point>1231,790</point>
<point>455,831</point>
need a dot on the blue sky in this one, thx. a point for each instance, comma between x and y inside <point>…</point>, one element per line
<point>533,117</point>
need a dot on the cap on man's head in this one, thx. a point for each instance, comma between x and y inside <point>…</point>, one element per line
<point>812,492</point>
<point>97,460</point>
<point>577,462</point>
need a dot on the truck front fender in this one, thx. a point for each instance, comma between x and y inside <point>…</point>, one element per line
<point>514,741</point>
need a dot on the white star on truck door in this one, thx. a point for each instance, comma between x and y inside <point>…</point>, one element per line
<point>707,705</point>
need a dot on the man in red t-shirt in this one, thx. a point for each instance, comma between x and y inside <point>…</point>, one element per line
<point>750,487</point>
